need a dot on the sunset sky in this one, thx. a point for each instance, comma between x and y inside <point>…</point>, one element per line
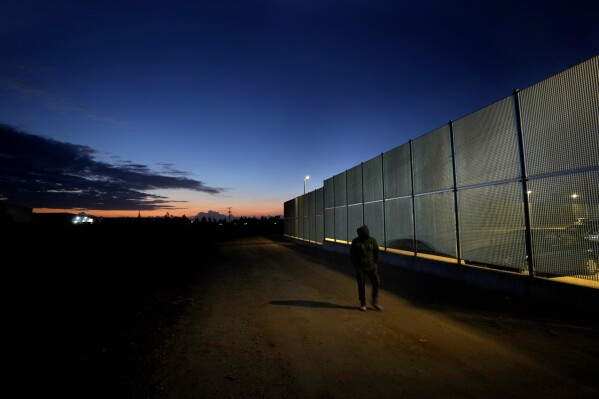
<point>190,106</point>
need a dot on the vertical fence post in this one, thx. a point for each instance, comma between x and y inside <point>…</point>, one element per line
<point>455,196</point>
<point>413,200</point>
<point>384,211</point>
<point>524,178</point>
<point>334,213</point>
<point>323,217</point>
<point>309,216</point>
<point>362,180</point>
<point>346,212</point>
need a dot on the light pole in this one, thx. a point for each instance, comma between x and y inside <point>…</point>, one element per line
<point>305,179</point>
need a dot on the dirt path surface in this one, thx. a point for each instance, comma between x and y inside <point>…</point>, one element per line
<point>275,319</point>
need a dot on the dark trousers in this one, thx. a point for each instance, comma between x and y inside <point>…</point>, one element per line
<point>373,275</point>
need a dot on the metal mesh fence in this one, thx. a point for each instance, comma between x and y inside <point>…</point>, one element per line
<point>329,193</point>
<point>354,185</point>
<point>305,216</point>
<point>355,215</point>
<point>485,145</point>
<point>319,215</point>
<point>491,220</point>
<point>311,216</point>
<point>434,219</point>
<point>373,179</point>
<point>329,224</point>
<point>526,192</point>
<point>374,219</point>
<point>329,209</point>
<point>299,230</point>
<point>339,187</point>
<point>397,172</point>
<point>399,224</point>
<point>431,161</point>
<point>341,224</point>
<point>289,224</point>
<point>564,213</point>
<point>560,121</point>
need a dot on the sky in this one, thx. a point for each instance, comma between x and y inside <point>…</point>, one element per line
<point>120,107</point>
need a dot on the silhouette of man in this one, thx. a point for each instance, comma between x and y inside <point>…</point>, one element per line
<point>364,254</point>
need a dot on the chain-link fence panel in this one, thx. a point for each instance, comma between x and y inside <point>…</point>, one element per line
<point>375,220</point>
<point>372,172</point>
<point>491,221</point>
<point>397,172</point>
<point>560,121</point>
<point>434,217</point>
<point>354,185</point>
<point>431,161</point>
<point>399,224</point>
<point>485,145</point>
<point>341,223</point>
<point>319,215</point>
<point>564,213</point>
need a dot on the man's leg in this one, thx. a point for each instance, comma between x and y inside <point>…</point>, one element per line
<point>361,279</point>
<point>376,283</point>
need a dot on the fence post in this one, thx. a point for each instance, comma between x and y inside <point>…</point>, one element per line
<point>362,180</point>
<point>334,213</point>
<point>455,196</point>
<point>413,200</point>
<point>323,217</point>
<point>384,211</point>
<point>524,178</point>
<point>346,211</point>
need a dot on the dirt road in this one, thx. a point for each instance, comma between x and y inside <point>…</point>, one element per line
<point>274,319</point>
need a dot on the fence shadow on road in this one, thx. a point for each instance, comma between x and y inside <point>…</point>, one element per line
<point>311,304</point>
<point>448,296</point>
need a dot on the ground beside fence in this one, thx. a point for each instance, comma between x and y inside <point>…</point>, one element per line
<point>263,317</point>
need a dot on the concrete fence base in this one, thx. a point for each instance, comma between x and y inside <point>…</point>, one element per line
<point>581,298</point>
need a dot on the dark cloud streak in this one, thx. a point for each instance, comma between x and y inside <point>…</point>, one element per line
<point>54,101</point>
<point>45,173</point>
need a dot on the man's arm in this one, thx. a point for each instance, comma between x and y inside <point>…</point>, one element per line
<point>352,252</point>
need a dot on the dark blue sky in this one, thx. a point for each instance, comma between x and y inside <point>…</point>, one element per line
<point>242,99</point>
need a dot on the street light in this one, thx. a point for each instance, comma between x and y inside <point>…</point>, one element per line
<point>305,179</point>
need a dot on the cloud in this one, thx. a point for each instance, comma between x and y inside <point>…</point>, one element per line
<point>56,102</point>
<point>171,169</point>
<point>212,215</point>
<point>45,173</point>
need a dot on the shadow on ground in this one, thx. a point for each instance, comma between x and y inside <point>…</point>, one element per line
<point>311,304</point>
<point>452,297</point>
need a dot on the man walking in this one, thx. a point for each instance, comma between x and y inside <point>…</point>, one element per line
<point>364,254</point>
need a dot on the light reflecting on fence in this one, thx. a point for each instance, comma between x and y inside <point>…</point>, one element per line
<point>539,146</point>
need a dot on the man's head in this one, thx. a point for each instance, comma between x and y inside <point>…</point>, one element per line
<point>363,232</point>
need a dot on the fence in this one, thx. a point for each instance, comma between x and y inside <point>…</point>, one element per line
<point>513,186</point>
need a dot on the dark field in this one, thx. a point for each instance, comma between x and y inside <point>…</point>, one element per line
<point>181,311</point>
<point>90,306</point>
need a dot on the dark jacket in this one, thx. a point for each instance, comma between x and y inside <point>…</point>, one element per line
<point>364,251</point>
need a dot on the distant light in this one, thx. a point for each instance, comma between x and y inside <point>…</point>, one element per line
<point>529,192</point>
<point>307,178</point>
<point>82,219</point>
<point>574,195</point>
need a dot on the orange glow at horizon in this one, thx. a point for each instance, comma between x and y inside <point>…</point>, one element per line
<point>257,211</point>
